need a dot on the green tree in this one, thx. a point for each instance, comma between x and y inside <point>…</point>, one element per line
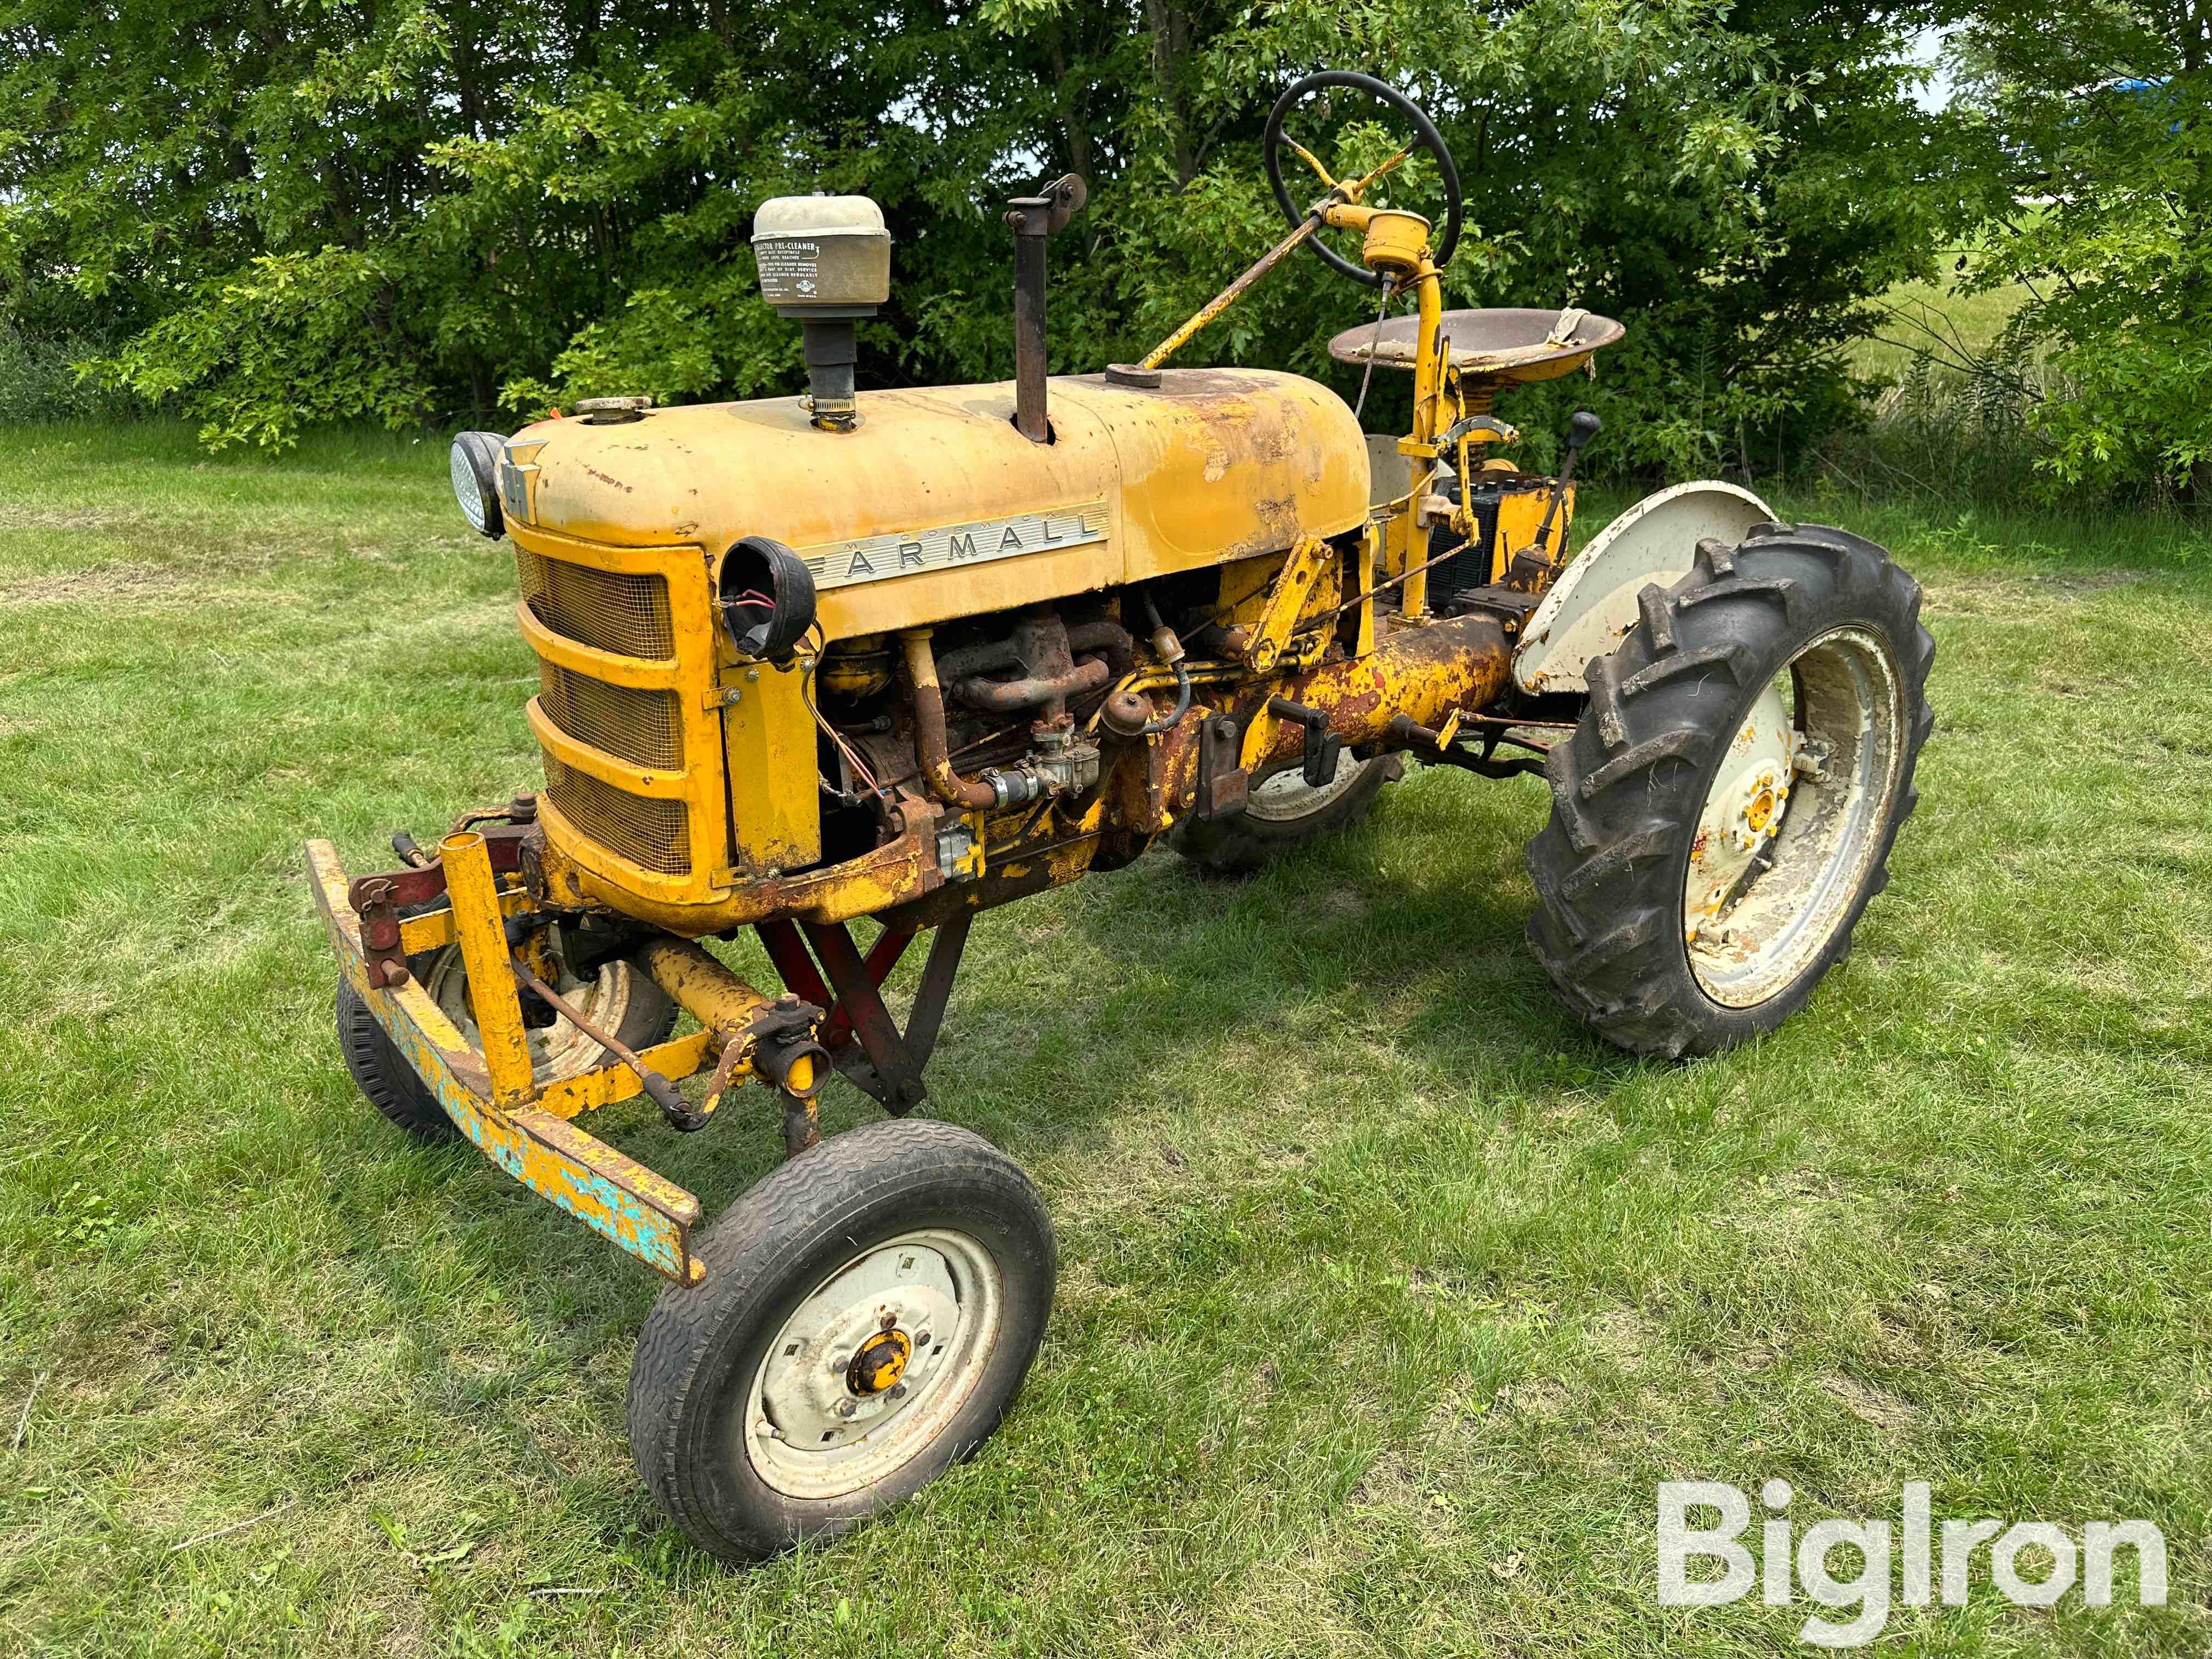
<point>425,210</point>
<point>2097,116</point>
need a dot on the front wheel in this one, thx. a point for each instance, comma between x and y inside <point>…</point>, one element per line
<point>869,1312</point>
<point>1725,810</point>
<point>617,998</point>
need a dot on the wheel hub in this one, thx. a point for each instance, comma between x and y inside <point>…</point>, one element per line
<point>1766,801</point>
<point>850,1359</point>
<point>1743,812</point>
<point>867,1369</point>
<point>880,1363</point>
<point>1795,816</point>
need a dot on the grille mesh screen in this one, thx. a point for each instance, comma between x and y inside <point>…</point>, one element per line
<point>638,725</point>
<point>610,610</point>
<point>646,830</point>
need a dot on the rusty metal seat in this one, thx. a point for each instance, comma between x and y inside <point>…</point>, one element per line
<point>1503,344</point>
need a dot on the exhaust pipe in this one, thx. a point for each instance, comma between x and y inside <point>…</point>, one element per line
<point>1034,218</point>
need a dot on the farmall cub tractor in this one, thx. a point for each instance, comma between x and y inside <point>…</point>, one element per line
<point>908,655</point>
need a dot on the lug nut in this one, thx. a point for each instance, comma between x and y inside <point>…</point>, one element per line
<point>920,1340</point>
<point>898,1391</point>
<point>890,1321</point>
<point>847,1407</point>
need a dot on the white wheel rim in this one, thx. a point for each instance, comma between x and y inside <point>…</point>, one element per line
<point>1284,796</point>
<point>873,1365</point>
<point>558,1051</point>
<point>1795,816</point>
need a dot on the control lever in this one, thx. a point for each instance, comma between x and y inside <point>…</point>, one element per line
<point>1322,748</point>
<point>1580,430</point>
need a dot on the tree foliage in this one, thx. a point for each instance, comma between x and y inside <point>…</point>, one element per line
<point>427,211</point>
<point>2096,114</point>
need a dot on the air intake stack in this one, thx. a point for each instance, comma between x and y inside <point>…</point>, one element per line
<point>825,262</point>
<point>1033,219</point>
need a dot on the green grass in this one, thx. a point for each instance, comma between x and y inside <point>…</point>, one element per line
<point>1951,419</point>
<point>1925,317</point>
<point>1389,1296</point>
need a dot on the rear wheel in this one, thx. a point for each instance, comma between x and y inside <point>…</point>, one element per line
<point>617,998</point>
<point>1282,811</point>
<point>869,1312</point>
<point>1725,810</point>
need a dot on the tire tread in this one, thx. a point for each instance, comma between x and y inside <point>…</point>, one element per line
<point>1621,819</point>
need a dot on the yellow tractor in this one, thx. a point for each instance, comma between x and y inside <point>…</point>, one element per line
<point>907,656</point>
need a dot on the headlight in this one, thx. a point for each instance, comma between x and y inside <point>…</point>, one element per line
<point>766,595</point>
<point>475,480</point>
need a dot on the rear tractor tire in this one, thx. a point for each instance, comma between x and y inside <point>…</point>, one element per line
<point>1283,811</point>
<point>617,999</point>
<point>869,1312</point>
<point>1725,809</point>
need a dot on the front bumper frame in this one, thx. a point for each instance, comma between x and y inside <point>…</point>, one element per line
<point>613,1194</point>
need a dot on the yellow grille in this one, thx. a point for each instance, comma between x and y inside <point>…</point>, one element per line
<point>610,610</point>
<point>644,829</point>
<point>638,725</point>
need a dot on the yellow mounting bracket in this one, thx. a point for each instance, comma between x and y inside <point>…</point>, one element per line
<point>1286,599</point>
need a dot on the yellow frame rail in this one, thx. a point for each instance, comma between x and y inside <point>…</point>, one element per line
<point>531,1138</point>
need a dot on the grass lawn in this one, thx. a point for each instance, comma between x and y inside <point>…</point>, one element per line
<point>1389,1296</point>
<point>1933,317</point>
<point>1924,317</point>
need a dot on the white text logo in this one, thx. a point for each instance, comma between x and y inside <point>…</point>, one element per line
<point>1935,1565</point>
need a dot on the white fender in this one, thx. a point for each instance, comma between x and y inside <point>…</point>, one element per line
<point>1592,605</point>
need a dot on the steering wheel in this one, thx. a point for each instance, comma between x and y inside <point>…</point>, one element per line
<point>1425,137</point>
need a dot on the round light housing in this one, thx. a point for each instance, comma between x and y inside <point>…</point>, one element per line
<point>766,595</point>
<point>475,480</point>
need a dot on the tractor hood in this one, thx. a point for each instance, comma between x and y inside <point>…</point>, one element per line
<point>937,507</point>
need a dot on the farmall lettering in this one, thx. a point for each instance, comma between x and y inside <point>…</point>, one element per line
<point>875,558</point>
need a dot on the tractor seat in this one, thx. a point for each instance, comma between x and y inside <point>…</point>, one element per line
<point>1500,344</point>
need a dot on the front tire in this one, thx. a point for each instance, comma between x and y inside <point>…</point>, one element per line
<point>618,997</point>
<point>1725,810</point>
<point>869,1312</point>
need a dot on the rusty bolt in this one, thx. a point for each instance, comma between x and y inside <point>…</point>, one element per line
<point>395,976</point>
<point>921,1340</point>
<point>889,1322</point>
<point>847,1407</point>
<point>898,1391</point>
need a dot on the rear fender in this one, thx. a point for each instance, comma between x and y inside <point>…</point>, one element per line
<point>1592,606</point>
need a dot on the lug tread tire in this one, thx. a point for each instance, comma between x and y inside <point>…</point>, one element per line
<point>1243,844</point>
<point>766,1253</point>
<point>1628,785</point>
